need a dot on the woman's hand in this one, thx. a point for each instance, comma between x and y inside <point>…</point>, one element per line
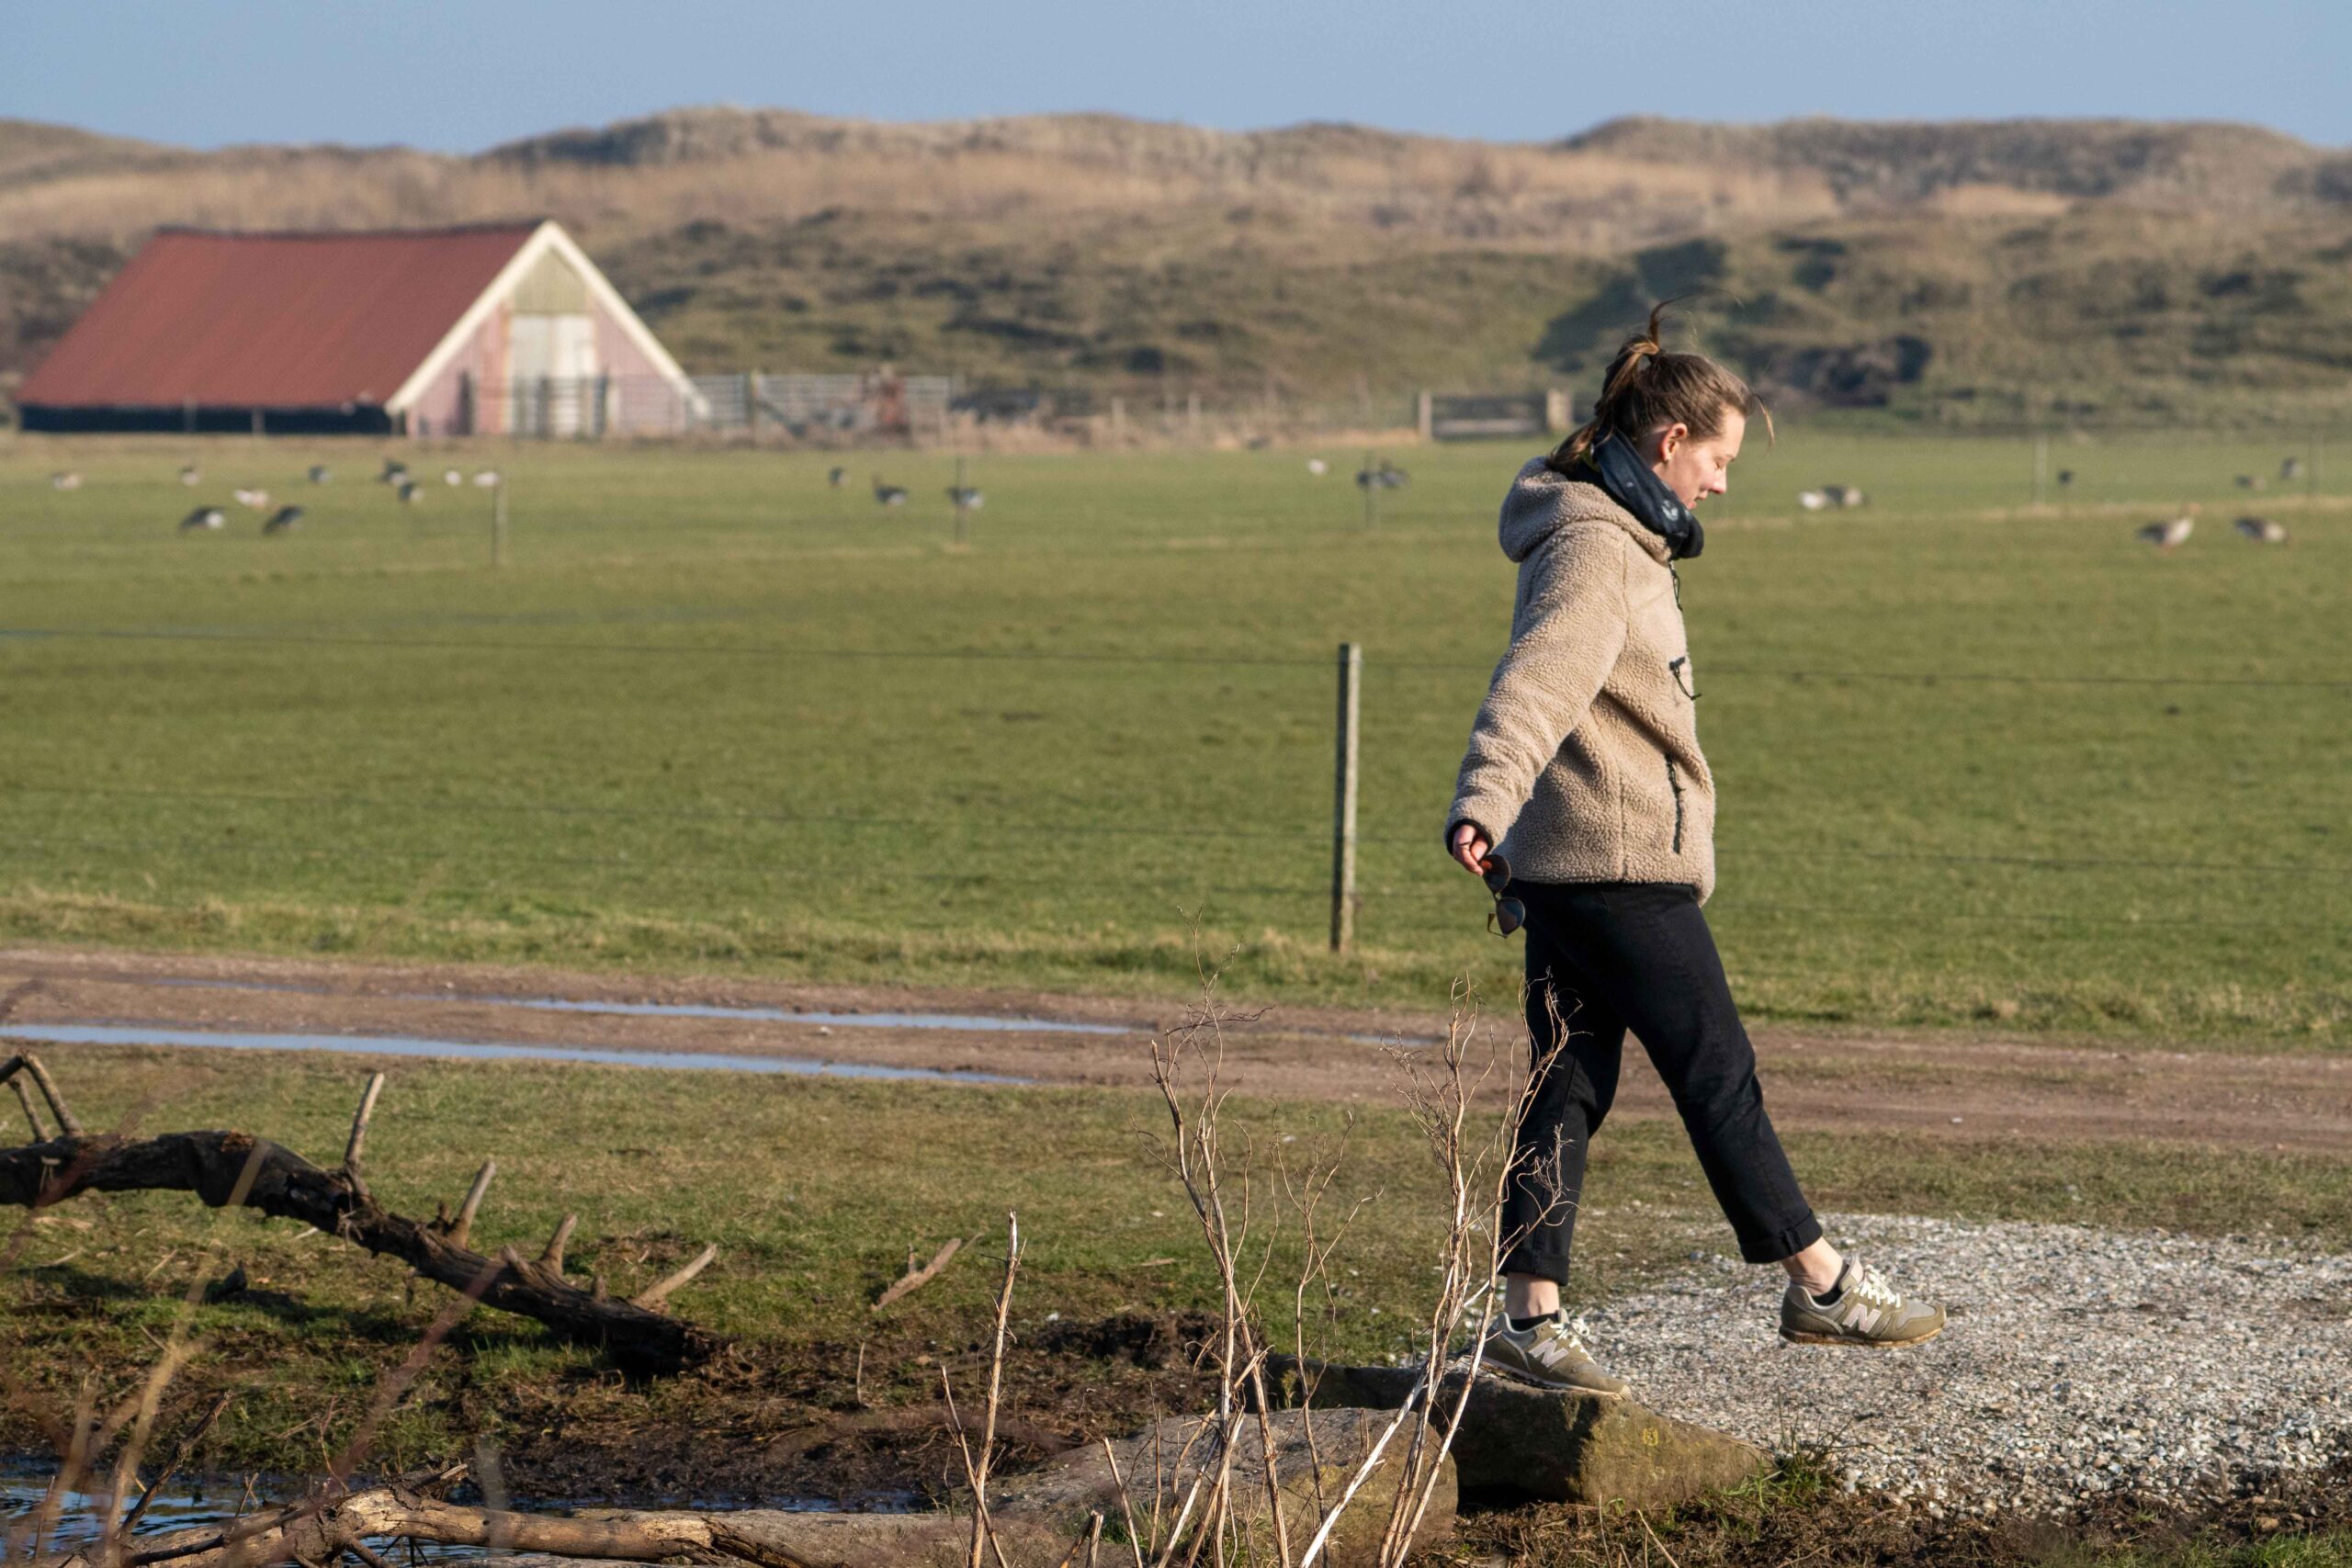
<point>1470,847</point>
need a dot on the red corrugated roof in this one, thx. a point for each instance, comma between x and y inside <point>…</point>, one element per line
<point>270,320</point>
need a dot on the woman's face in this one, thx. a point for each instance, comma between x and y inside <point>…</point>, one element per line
<point>1695,468</point>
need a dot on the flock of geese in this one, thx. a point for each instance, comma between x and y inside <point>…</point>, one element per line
<point>277,519</point>
<point>965,497</point>
<point>2167,534</point>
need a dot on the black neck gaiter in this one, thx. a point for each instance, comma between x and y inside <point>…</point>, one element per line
<point>1632,484</point>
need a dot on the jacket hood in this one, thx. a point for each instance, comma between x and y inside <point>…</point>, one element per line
<point>1540,503</point>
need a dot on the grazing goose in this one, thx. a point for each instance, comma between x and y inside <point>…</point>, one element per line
<point>1812,500</point>
<point>191,475</point>
<point>1388,476</point>
<point>2170,534</point>
<point>1317,467</point>
<point>2065,478</point>
<point>1841,495</point>
<point>487,479</point>
<point>836,476</point>
<point>2249,481</point>
<point>285,517</point>
<point>2290,469</point>
<point>395,471</point>
<point>2263,530</point>
<point>969,497</point>
<point>408,490</point>
<point>204,517</point>
<point>319,474</point>
<point>257,498</point>
<point>66,480</point>
<point>890,495</point>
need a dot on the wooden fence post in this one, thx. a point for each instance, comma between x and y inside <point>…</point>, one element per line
<point>1343,813</point>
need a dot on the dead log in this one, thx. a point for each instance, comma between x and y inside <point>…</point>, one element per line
<point>1035,1516</point>
<point>224,1168</point>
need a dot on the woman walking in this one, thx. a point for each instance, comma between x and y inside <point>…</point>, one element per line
<point>1584,804</point>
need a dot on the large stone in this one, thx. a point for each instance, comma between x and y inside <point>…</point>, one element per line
<point>1156,1462</point>
<point>1557,1446</point>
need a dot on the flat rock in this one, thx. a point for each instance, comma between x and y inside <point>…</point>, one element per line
<point>1157,1470</point>
<point>1555,1444</point>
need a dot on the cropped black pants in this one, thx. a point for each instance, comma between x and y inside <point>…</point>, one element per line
<point>1603,958</point>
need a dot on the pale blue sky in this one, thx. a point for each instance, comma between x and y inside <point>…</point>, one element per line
<point>461,74</point>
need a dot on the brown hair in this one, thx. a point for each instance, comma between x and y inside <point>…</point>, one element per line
<point>1646,387</point>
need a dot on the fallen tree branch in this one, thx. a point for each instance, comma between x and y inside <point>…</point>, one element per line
<point>286,1186</point>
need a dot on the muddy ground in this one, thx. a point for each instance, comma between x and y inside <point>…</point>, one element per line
<point>1930,1083</point>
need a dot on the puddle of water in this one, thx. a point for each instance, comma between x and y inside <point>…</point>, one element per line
<point>975,1023</point>
<point>972,1022</point>
<point>82,1518</point>
<point>480,1051</point>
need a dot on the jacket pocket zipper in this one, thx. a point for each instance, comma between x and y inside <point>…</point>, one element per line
<point>1674,783</point>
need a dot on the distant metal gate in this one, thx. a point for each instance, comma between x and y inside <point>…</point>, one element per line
<point>1493,416</point>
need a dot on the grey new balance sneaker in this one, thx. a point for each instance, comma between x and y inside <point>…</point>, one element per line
<point>1550,1356</point>
<point>1861,1309</point>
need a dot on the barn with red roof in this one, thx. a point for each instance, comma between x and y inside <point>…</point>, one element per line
<point>499,328</point>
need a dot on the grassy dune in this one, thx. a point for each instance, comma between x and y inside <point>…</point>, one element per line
<point>1977,763</point>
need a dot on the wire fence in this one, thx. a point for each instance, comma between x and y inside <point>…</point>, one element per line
<point>1083,656</point>
<point>886,405</point>
<point>237,842</point>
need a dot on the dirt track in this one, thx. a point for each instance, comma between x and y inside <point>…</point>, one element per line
<point>1947,1085</point>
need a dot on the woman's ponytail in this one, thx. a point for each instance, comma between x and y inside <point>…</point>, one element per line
<point>1646,386</point>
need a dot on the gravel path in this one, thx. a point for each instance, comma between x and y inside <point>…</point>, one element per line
<point>2077,1362</point>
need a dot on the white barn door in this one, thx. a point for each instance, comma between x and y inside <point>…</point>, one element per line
<point>553,362</point>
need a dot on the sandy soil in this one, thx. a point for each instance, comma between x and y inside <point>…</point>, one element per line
<point>1934,1084</point>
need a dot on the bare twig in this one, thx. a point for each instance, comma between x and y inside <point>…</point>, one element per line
<point>551,1259</point>
<point>32,1116</point>
<point>916,1278</point>
<point>462,1229</point>
<point>359,1129</point>
<point>1135,1541</point>
<point>981,1531</point>
<point>652,1296</point>
<point>30,1064</point>
<point>179,1456</point>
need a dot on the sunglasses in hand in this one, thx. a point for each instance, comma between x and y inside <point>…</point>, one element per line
<point>1510,913</point>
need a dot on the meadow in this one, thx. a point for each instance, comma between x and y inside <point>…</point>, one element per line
<point>814,1191</point>
<point>1981,764</point>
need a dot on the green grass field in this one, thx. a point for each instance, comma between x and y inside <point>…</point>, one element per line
<point>1977,763</point>
<point>814,1191</point>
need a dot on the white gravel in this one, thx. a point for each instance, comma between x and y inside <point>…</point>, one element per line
<point>2077,1362</point>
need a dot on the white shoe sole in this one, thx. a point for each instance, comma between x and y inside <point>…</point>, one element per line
<point>1796,1336</point>
<point>1547,1384</point>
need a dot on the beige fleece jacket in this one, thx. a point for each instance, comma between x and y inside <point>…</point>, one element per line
<point>1584,763</point>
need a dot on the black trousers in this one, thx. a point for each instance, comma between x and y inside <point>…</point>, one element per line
<point>1603,958</point>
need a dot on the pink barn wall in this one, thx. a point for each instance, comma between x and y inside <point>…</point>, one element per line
<point>641,400</point>
<point>483,355</point>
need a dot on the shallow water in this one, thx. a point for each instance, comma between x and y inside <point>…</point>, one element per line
<point>484,1051</point>
<point>979,1023</point>
<point>82,1517</point>
<point>971,1023</point>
